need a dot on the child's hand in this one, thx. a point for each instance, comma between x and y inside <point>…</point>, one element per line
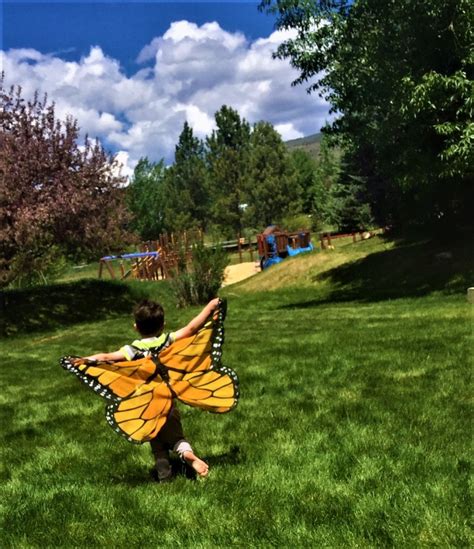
<point>214,303</point>
<point>213,306</point>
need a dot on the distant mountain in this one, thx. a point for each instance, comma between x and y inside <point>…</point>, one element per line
<point>309,144</point>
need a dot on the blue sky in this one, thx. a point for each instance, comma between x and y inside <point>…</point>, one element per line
<point>120,28</point>
<point>133,72</point>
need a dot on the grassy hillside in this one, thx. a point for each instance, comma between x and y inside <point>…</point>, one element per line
<point>309,144</point>
<point>353,428</point>
<point>378,268</point>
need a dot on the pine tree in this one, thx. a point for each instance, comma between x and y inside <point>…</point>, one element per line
<point>272,188</point>
<point>187,195</point>
<point>305,168</point>
<point>227,157</point>
<point>146,199</point>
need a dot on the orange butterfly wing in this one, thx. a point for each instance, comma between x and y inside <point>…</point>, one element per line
<point>195,373</point>
<point>140,399</point>
<point>210,390</point>
<point>142,390</point>
<point>140,416</point>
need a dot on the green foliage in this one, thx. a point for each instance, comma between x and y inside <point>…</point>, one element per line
<point>325,207</point>
<point>399,75</point>
<point>187,197</point>
<point>309,145</point>
<point>37,265</point>
<point>451,100</point>
<point>297,222</point>
<point>226,157</point>
<point>272,190</point>
<point>305,168</point>
<point>198,282</point>
<point>346,208</point>
<point>146,195</point>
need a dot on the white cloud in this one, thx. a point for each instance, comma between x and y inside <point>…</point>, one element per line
<point>188,74</point>
<point>124,165</point>
<point>181,30</point>
<point>288,131</point>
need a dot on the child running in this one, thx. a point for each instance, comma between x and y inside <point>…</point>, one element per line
<point>149,323</point>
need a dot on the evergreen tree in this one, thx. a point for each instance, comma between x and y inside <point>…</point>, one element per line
<point>187,199</point>
<point>305,168</point>
<point>325,206</point>
<point>346,206</point>
<point>272,189</point>
<point>227,157</point>
<point>146,198</point>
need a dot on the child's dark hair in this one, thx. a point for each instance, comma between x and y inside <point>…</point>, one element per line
<point>149,317</point>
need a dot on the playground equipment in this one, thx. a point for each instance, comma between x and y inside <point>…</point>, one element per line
<point>142,266</point>
<point>156,260</point>
<point>274,245</point>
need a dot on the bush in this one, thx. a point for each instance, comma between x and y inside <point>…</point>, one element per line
<point>197,282</point>
<point>36,266</point>
<point>296,222</point>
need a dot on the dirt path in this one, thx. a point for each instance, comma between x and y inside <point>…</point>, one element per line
<point>241,271</point>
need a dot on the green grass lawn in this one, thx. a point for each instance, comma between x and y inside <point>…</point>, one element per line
<point>354,426</point>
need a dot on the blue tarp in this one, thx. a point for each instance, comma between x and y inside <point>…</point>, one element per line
<point>130,256</point>
<point>297,251</point>
<point>271,261</point>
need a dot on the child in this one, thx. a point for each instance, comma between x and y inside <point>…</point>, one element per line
<point>149,323</point>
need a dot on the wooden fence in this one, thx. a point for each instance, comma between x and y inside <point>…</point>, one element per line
<point>326,239</point>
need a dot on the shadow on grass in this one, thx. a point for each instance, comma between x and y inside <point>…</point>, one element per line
<point>50,307</point>
<point>232,457</point>
<point>147,476</point>
<point>409,270</point>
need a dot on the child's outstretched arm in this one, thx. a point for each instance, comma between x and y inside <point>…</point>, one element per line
<point>198,321</point>
<point>114,357</point>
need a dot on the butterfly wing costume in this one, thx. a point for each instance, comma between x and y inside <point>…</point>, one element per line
<point>141,391</point>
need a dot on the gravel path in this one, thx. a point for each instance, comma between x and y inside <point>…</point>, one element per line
<point>241,271</point>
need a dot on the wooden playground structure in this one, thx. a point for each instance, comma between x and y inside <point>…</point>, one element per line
<point>275,244</point>
<point>155,260</point>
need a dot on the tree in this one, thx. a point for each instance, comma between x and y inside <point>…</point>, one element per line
<point>325,205</point>
<point>399,74</point>
<point>346,206</point>
<point>227,150</point>
<point>145,195</point>
<point>187,196</point>
<point>56,198</point>
<point>272,190</point>
<point>305,168</point>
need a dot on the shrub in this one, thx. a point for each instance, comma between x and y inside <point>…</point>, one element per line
<point>36,266</point>
<point>198,281</point>
<point>296,222</point>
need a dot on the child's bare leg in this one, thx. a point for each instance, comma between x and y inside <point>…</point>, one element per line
<point>200,466</point>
